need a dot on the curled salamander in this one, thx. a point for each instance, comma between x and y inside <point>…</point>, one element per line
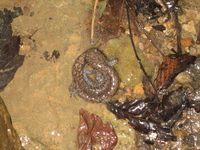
<point>106,83</point>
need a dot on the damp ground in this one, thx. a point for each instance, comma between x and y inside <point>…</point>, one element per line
<point>43,113</point>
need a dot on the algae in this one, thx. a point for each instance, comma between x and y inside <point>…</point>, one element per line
<point>127,67</point>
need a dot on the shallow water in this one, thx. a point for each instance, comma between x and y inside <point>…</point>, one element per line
<point>38,99</point>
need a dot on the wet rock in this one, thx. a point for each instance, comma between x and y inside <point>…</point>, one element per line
<point>187,42</point>
<point>9,140</point>
<point>128,67</point>
<point>192,140</point>
<point>190,27</point>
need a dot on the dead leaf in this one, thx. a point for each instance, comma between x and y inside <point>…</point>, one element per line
<point>10,60</point>
<point>171,67</point>
<point>148,88</point>
<point>113,20</point>
<point>93,134</point>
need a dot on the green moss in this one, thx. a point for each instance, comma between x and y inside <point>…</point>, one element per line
<point>127,67</point>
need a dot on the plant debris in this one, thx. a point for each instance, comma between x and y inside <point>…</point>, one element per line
<point>10,60</point>
<point>54,55</point>
<point>94,134</point>
<point>159,27</point>
<point>113,21</point>
<point>172,65</point>
<point>157,114</point>
<point>158,118</point>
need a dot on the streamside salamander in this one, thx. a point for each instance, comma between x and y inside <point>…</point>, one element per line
<point>106,82</point>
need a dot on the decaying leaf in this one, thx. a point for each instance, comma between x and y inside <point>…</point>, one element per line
<point>159,27</point>
<point>10,60</point>
<point>149,90</point>
<point>148,116</point>
<point>93,134</point>
<point>142,116</point>
<point>112,21</point>
<point>171,67</point>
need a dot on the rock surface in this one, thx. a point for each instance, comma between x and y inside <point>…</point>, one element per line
<point>9,139</point>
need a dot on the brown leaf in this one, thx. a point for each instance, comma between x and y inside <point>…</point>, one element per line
<point>112,21</point>
<point>148,88</point>
<point>93,134</point>
<point>171,67</point>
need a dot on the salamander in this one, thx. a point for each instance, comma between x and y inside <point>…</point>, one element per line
<point>106,83</point>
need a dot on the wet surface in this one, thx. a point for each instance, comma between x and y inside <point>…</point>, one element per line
<point>9,139</point>
<point>43,114</point>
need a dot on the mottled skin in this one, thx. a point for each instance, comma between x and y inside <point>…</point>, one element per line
<point>109,77</point>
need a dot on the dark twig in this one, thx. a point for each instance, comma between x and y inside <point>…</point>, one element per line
<point>133,44</point>
<point>134,49</point>
<point>142,28</point>
<point>178,33</point>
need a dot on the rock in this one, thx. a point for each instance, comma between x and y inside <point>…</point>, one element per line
<point>9,140</point>
<point>187,42</point>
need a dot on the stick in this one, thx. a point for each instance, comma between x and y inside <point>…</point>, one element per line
<point>92,24</point>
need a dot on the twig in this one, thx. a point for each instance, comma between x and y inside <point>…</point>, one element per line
<point>178,32</point>
<point>134,49</point>
<point>93,19</point>
<point>142,28</point>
